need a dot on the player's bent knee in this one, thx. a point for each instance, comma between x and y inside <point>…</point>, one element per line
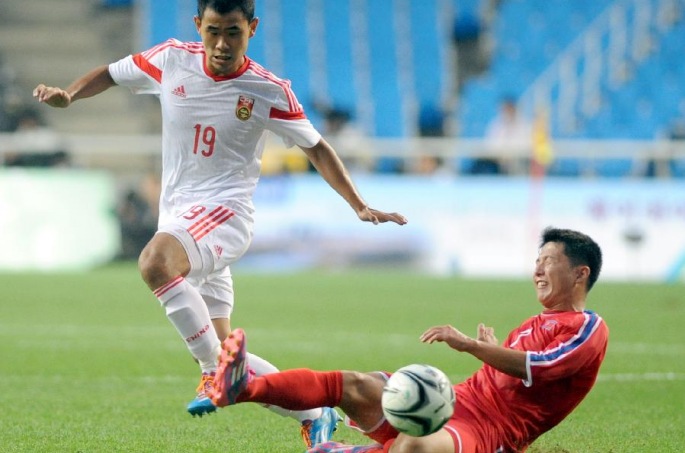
<point>153,269</point>
<point>361,388</point>
<point>162,260</point>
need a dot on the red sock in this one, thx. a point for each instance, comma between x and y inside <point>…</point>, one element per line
<point>298,389</point>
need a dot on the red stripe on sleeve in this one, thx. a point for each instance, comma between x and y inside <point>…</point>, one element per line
<point>283,115</point>
<point>148,68</point>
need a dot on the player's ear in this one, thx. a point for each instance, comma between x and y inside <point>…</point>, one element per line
<point>198,22</point>
<point>582,274</point>
<point>253,26</point>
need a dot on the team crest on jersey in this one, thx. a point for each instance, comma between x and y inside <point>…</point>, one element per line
<point>243,111</point>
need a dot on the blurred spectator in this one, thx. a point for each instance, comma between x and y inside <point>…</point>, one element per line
<point>427,165</point>
<point>35,144</point>
<point>138,214</point>
<point>342,131</point>
<point>508,141</point>
<point>668,164</point>
<point>676,162</point>
<point>431,123</point>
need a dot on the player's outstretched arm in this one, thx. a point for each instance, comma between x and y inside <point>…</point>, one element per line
<point>90,84</point>
<point>330,167</point>
<point>484,348</point>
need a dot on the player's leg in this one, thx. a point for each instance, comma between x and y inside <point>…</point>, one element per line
<point>311,419</point>
<point>457,436</point>
<point>164,263</point>
<point>300,389</point>
<point>236,371</point>
<point>440,442</point>
<point>212,237</point>
<point>292,389</point>
<point>217,291</point>
<point>361,399</point>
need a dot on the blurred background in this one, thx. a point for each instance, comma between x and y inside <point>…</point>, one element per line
<point>482,121</point>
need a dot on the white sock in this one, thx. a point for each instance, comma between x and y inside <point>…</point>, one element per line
<point>262,367</point>
<point>187,311</point>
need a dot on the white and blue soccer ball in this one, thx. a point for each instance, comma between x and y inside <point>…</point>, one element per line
<point>418,400</point>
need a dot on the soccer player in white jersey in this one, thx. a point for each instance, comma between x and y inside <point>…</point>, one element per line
<point>217,108</point>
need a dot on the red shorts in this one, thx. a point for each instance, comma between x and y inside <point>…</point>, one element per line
<point>469,435</point>
<point>464,439</point>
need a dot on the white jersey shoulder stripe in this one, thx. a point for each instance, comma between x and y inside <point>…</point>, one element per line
<point>192,47</point>
<point>293,104</point>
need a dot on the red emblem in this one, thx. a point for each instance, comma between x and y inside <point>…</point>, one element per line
<point>243,111</point>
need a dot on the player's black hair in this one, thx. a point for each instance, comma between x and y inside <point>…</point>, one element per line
<point>580,249</point>
<point>227,6</point>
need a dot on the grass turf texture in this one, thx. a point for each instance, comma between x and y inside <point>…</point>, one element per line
<point>90,363</point>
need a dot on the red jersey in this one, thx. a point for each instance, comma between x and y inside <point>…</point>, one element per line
<point>564,353</point>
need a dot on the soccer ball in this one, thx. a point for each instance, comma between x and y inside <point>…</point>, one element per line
<point>418,400</point>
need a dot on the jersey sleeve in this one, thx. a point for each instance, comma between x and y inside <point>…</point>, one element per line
<point>288,120</point>
<point>142,72</point>
<point>571,350</point>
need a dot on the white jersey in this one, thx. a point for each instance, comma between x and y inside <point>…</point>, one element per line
<point>214,127</point>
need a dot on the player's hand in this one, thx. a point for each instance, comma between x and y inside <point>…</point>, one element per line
<point>52,96</point>
<point>447,334</point>
<point>375,216</point>
<point>486,334</point>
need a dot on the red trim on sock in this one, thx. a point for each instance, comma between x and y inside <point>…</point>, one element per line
<point>159,292</point>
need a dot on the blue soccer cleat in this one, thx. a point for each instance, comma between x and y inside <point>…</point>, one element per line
<point>335,447</point>
<point>320,430</point>
<point>202,404</point>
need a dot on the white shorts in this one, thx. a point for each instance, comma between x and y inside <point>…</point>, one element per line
<point>213,237</point>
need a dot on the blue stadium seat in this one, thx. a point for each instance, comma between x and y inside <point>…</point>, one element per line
<point>529,34</point>
<point>567,167</point>
<point>427,49</point>
<point>478,106</point>
<point>464,165</point>
<point>678,168</point>
<point>339,65</point>
<point>613,167</point>
<point>385,88</point>
<point>294,42</point>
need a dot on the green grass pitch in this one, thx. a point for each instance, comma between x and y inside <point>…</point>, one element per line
<point>89,363</point>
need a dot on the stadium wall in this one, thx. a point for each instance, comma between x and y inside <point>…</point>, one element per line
<point>459,224</point>
<point>471,226</point>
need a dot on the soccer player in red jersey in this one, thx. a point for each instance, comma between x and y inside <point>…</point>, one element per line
<point>526,386</point>
<point>218,106</point>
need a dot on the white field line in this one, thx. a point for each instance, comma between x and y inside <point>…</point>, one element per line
<point>668,349</point>
<point>174,379</point>
<point>640,377</point>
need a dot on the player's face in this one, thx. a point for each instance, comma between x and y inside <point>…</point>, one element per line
<point>555,277</point>
<point>225,38</point>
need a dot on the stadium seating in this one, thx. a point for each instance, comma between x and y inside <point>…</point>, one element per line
<point>530,34</point>
<point>388,64</point>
